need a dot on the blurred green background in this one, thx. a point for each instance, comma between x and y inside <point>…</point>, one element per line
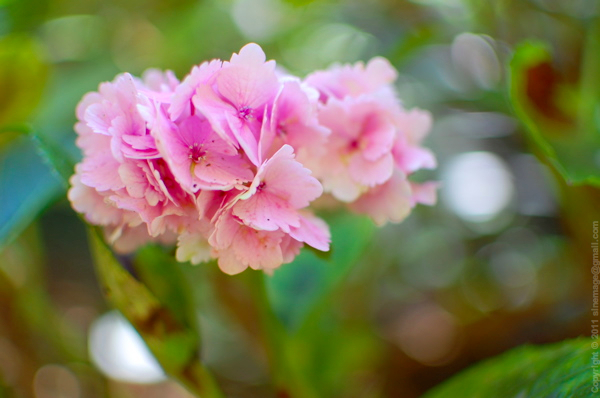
<point>503,259</point>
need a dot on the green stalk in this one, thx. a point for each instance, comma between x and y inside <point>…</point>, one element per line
<point>175,344</point>
<point>288,378</point>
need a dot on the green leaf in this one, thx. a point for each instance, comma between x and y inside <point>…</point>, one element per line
<point>413,41</point>
<point>174,343</point>
<point>300,288</point>
<point>60,161</point>
<point>558,115</point>
<point>163,276</point>
<point>27,186</point>
<point>561,370</point>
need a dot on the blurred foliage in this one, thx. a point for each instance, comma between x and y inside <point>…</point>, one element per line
<point>568,136</point>
<point>559,370</point>
<point>390,312</point>
<point>171,336</point>
<point>303,289</point>
<point>19,162</point>
<point>23,75</point>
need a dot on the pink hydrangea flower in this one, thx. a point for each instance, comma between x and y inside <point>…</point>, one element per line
<point>341,81</point>
<point>239,246</point>
<point>122,183</point>
<point>358,154</point>
<point>235,98</point>
<point>112,112</point>
<point>280,188</point>
<point>226,163</point>
<point>293,120</point>
<point>198,156</point>
<point>374,144</point>
<point>263,225</point>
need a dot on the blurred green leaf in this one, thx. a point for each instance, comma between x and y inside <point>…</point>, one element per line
<point>29,308</point>
<point>25,15</point>
<point>27,186</point>
<point>552,111</point>
<point>335,353</point>
<point>23,75</point>
<point>59,160</point>
<point>301,287</point>
<point>559,370</point>
<point>301,294</point>
<point>299,3</point>
<point>411,43</point>
<point>175,345</point>
<point>162,275</point>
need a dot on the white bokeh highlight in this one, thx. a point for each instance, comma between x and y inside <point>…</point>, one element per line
<point>258,19</point>
<point>477,186</point>
<point>119,352</point>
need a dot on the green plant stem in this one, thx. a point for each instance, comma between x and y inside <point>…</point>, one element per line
<point>200,381</point>
<point>288,378</point>
<point>174,344</point>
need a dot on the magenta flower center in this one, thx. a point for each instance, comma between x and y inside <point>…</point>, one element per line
<point>197,152</point>
<point>245,113</point>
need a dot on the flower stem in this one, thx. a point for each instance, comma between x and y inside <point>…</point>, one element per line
<point>289,381</point>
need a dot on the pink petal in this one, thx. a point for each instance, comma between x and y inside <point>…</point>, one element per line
<point>159,81</point>
<point>294,120</point>
<point>266,138</point>
<point>142,147</point>
<point>379,72</point>
<point>369,173</point>
<point>181,103</point>
<point>130,238</point>
<point>239,246</point>
<point>226,228</point>
<point>424,193</point>
<point>192,247</point>
<point>312,231</point>
<point>244,136</point>
<point>251,53</point>
<point>415,124</point>
<point>342,187</point>
<point>287,179</point>
<point>138,206</point>
<point>134,178</point>
<point>259,249</point>
<point>92,143</point>
<point>337,116</point>
<point>229,263</point>
<point>247,81</point>
<point>101,172</point>
<point>215,109</point>
<point>99,116</point>
<point>291,103</point>
<point>378,136</point>
<point>221,172</point>
<point>264,211</point>
<point>92,204</point>
<point>290,248</point>
<point>411,158</point>
<point>87,100</point>
<point>391,201</point>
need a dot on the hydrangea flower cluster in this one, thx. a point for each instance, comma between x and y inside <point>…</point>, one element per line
<point>226,163</point>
